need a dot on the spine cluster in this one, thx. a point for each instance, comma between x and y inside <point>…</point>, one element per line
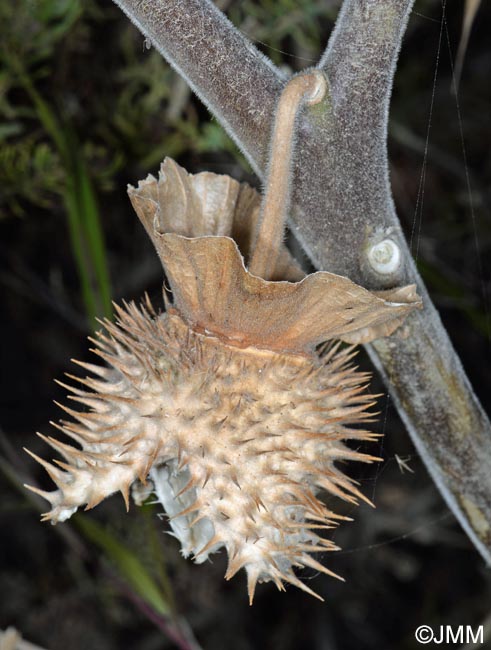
<point>237,444</point>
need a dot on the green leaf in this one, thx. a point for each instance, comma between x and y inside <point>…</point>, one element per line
<point>91,223</point>
<point>127,563</point>
<point>8,130</point>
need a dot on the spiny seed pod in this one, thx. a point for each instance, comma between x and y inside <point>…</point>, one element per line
<point>227,406</point>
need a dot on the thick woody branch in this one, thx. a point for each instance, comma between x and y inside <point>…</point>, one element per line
<point>422,371</point>
<point>233,79</point>
<point>443,416</point>
<point>357,206</point>
<point>343,208</point>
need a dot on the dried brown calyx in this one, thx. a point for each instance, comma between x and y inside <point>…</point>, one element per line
<point>225,406</point>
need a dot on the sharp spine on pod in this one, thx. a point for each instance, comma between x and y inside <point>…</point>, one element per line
<point>227,407</point>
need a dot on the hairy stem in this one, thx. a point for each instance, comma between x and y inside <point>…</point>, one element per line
<point>234,80</point>
<point>443,417</point>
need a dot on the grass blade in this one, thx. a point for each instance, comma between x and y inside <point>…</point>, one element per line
<point>127,563</point>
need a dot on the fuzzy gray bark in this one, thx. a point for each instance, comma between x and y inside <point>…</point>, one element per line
<point>222,67</point>
<point>343,206</point>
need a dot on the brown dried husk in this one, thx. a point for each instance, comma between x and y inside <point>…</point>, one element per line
<point>193,222</point>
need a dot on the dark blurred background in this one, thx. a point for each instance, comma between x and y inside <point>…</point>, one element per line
<point>86,106</point>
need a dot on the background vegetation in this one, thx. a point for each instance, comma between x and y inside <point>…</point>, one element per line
<point>86,107</point>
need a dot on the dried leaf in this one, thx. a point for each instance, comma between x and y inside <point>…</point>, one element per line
<point>470,12</point>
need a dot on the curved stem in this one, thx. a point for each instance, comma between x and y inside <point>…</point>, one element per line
<point>304,89</point>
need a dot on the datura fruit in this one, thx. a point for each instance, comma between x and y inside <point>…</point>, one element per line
<point>234,406</point>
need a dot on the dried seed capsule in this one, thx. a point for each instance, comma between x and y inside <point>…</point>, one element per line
<point>225,402</point>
